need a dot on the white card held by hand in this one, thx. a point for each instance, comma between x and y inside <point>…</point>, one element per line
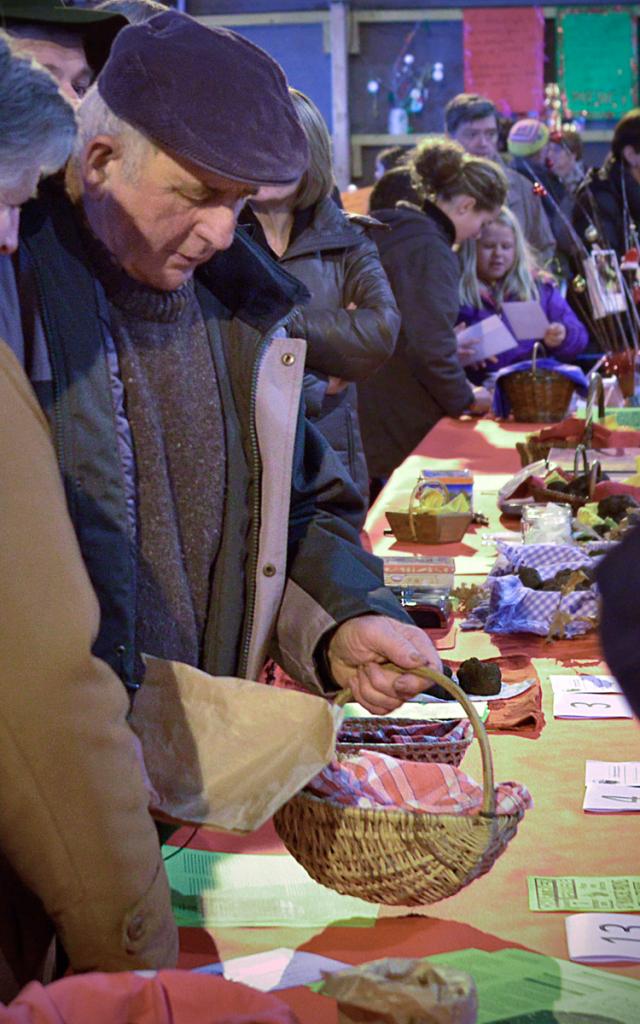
<point>611,798</point>
<point>491,337</point>
<point>590,705</point>
<point>603,938</point>
<point>527,320</point>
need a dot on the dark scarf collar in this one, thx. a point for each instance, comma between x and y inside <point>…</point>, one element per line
<point>132,297</point>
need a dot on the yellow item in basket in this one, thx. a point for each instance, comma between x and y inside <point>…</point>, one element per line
<point>588,514</point>
<point>436,502</point>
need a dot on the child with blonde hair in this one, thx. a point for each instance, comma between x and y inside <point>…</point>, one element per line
<point>499,267</point>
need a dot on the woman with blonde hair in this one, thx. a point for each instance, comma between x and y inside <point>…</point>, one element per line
<point>351,321</point>
<point>499,267</point>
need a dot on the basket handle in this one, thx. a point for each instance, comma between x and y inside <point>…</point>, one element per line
<point>594,474</point>
<point>537,352</point>
<point>425,672</point>
<point>580,453</point>
<point>595,393</point>
<point>422,485</point>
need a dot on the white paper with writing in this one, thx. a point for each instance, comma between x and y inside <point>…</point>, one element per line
<point>590,705</point>
<point>610,798</point>
<point>603,938</point>
<point>625,773</point>
<point>585,684</point>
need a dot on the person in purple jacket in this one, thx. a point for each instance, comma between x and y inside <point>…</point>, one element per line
<point>499,267</point>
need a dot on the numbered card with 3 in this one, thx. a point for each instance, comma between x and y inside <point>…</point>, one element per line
<point>611,798</point>
<point>603,938</point>
<point>591,705</point>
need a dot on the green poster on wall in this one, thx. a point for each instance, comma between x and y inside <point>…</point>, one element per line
<point>597,61</point>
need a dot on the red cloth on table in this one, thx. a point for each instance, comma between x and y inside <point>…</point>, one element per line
<point>521,715</point>
<point>170,997</point>
<point>572,429</point>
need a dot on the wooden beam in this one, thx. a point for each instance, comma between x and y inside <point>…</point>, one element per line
<point>339,33</point>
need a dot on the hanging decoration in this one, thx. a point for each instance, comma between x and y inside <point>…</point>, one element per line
<point>409,85</point>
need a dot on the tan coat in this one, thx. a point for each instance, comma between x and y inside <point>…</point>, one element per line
<point>78,849</point>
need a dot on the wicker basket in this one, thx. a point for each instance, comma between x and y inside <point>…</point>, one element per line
<point>560,497</point>
<point>415,527</point>
<point>533,449</point>
<point>434,748</point>
<point>538,396</point>
<point>399,858</point>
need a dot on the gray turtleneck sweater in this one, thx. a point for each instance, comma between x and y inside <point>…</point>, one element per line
<point>173,407</point>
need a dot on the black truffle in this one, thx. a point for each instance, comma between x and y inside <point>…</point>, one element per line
<point>482,678</point>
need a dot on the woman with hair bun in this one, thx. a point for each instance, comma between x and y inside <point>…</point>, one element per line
<point>423,381</point>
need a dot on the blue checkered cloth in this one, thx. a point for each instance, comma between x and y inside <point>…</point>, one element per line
<point>513,608</point>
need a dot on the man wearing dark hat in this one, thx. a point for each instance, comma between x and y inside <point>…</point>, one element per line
<point>70,42</point>
<point>209,513</point>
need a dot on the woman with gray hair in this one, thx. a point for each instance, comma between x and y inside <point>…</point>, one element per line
<point>37,129</point>
<point>79,854</point>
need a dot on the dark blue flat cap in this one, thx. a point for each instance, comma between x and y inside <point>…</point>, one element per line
<point>208,96</point>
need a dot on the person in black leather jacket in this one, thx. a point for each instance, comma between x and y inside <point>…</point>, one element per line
<point>351,323</point>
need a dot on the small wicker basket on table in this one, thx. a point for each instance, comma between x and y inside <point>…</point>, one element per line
<point>416,526</point>
<point>435,748</point>
<point>538,396</point>
<point>574,500</point>
<point>399,858</point>
<point>533,449</point>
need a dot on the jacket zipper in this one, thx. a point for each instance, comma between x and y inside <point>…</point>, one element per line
<point>256,467</point>
<point>58,432</point>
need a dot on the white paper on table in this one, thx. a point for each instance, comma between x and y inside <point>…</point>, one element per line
<point>431,711</point>
<point>526,319</point>
<point>585,684</point>
<point>625,773</point>
<point>610,798</point>
<point>603,938</point>
<point>275,969</point>
<point>492,337</point>
<point>591,705</point>
<point>506,690</point>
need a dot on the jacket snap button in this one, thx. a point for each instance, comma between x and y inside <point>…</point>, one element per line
<point>288,359</point>
<point>269,569</point>
<point>135,930</point>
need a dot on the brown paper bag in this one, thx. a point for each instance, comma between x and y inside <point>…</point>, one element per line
<point>398,991</point>
<point>227,752</point>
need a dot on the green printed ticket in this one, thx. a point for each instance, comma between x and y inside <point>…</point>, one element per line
<point>620,893</point>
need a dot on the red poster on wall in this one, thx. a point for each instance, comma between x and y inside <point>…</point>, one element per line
<point>504,57</point>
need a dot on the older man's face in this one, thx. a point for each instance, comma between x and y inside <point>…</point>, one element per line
<point>65,60</point>
<point>479,137</point>
<point>163,221</point>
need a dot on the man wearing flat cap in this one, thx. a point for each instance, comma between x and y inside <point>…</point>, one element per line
<point>209,513</point>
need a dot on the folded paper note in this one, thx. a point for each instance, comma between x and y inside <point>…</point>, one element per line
<point>491,337</point>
